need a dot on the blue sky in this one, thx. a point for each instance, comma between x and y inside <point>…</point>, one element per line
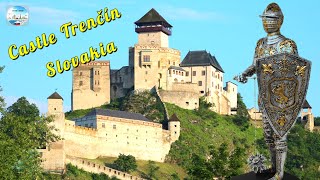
<point>228,29</point>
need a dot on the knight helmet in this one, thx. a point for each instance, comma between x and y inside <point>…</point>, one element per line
<point>272,18</point>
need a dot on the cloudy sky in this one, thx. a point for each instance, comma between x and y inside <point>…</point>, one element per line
<point>227,29</point>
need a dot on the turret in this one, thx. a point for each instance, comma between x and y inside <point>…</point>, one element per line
<point>174,127</point>
<point>55,108</point>
<point>153,29</point>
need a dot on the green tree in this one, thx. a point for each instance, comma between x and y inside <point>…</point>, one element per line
<point>199,168</point>
<point>22,131</point>
<point>152,169</point>
<point>125,163</point>
<point>2,103</point>
<point>241,107</point>
<point>175,176</point>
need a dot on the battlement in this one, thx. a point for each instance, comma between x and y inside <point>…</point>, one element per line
<point>71,127</point>
<point>160,49</point>
<point>136,122</point>
<point>98,168</point>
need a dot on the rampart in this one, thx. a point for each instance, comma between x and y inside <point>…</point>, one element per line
<point>98,168</point>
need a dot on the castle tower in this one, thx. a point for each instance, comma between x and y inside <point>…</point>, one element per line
<point>232,94</point>
<point>90,85</point>
<point>307,116</point>
<point>53,155</point>
<point>174,127</point>
<point>151,56</point>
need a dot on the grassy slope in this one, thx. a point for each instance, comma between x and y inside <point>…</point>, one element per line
<point>198,132</point>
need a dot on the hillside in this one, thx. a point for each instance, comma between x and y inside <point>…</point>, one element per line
<point>202,128</point>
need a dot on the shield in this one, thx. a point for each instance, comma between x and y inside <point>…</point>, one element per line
<point>283,81</point>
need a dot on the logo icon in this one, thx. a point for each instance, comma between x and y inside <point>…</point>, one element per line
<point>17,15</point>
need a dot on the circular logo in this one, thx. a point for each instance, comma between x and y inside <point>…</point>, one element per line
<point>17,15</point>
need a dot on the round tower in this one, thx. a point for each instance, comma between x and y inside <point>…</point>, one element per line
<point>174,127</point>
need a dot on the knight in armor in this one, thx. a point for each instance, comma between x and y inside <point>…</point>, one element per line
<point>274,43</point>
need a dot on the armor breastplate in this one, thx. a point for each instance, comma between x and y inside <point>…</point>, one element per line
<point>274,45</point>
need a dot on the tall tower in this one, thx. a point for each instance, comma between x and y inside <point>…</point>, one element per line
<point>151,56</point>
<point>53,155</point>
<point>90,85</point>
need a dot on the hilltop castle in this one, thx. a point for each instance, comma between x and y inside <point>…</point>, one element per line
<point>153,64</point>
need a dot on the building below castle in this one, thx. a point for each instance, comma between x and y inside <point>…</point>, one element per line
<point>106,133</point>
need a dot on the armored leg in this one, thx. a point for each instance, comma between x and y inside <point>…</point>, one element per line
<point>281,153</point>
<point>269,139</point>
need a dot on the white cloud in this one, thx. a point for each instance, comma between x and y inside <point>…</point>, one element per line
<point>43,15</point>
<point>190,14</point>
<point>42,106</point>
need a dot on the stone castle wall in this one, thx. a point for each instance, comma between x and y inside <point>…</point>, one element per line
<point>99,168</point>
<point>144,140</point>
<point>90,85</point>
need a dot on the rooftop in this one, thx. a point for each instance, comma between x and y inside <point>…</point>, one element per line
<point>306,105</point>
<point>200,58</point>
<point>55,95</point>
<point>118,114</point>
<point>174,118</point>
<point>151,18</point>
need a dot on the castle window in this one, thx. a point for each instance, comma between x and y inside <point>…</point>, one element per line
<point>127,129</point>
<point>146,131</point>
<point>187,73</point>
<point>145,80</point>
<point>203,73</point>
<point>146,58</point>
<point>174,63</point>
<point>98,73</point>
<point>98,82</point>
<point>175,125</point>
<point>120,79</point>
<point>158,64</point>
<point>152,42</point>
<point>114,126</point>
<point>146,72</point>
<point>95,82</point>
<point>200,83</point>
<point>218,76</point>
<point>201,92</point>
<point>127,137</point>
<point>187,103</point>
<point>91,124</point>
<point>212,74</point>
<point>137,130</point>
<point>175,132</point>
<point>136,137</point>
<point>233,89</point>
<point>95,72</point>
<point>194,73</point>
<point>116,135</point>
<point>80,73</point>
<point>86,125</point>
<point>55,108</point>
<point>212,84</point>
<point>127,142</point>
<point>80,83</point>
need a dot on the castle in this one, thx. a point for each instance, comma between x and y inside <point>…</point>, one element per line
<point>104,132</point>
<point>153,64</point>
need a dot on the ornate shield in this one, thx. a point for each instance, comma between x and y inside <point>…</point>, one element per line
<point>283,82</point>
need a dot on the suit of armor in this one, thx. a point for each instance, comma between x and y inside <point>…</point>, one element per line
<point>273,44</point>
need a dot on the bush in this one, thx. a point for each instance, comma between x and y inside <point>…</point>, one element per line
<point>125,163</point>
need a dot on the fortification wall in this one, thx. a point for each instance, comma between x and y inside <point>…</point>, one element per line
<point>144,140</point>
<point>184,99</point>
<point>98,168</point>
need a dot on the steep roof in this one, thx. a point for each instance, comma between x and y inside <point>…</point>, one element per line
<point>306,105</point>
<point>118,114</point>
<point>200,58</point>
<point>174,118</point>
<point>152,17</point>
<point>177,68</point>
<point>55,95</point>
